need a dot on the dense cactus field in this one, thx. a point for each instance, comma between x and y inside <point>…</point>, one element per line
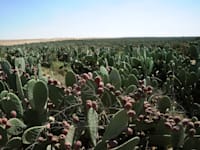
<point>117,94</point>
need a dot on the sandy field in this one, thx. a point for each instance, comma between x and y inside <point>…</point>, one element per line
<point>27,41</point>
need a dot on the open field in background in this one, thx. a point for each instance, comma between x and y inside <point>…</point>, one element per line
<point>28,41</point>
<point>100,75</point>
<point>42,40</point>
<point>87,85</point>
<point>12,42</point>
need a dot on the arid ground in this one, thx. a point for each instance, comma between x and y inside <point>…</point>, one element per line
<point>27,41</point>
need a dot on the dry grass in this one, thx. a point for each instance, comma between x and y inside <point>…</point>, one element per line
<point>54,75</point>
<point>54,72</point>
<point>27,41</point>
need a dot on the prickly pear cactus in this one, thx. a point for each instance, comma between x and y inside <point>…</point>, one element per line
<point>132,80</point>
<point>56,94</point>
<point>70,78</point>
<point>6,66</point>
<point>40,95</point>
<point>4,136</point>
<point>101,145</point>
<point>104,74</point>
<point>17,127</point>
<point>35,118</point>
<point>191,143</point>
<point>115,78</point>
<point>119,122</point>
<point>30,85</point>
<point>130,89</point>
<point>108,98</point>
<point>163,141</point>
<point>92,121</point>
<point>10,102</point>
<point>39,73</point>
<point>129,145</point>
<point>164,103</point>
<point>20,64</point>
<point>115,97</point>
<point>178,136</point>
<point>30,135</point>
<point>19,85</point>
<point>2,86</point>
<point>70,136</point>
<point>88,90</point>
<point>14,143</point>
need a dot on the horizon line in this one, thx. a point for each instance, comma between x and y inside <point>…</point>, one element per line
<point>100,37</point>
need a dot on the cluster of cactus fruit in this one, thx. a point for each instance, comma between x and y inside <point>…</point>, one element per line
<point>124,103</point>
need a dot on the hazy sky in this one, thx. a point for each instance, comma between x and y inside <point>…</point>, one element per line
<point>98,18</point>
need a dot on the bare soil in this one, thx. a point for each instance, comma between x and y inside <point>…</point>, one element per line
<point>28,41</point>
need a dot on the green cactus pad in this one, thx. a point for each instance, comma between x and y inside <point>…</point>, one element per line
<point>119,121</point>
<point>128,145</point>
<point>11,102</point>
<point>154,83</point>
<point>101,145</point>
<point>108,99</point>
<point>17,126</point>
<point>35,118</point>
<point>40,76</point>
<point>160,140</point>
<point>19,86</point>
<point>135,72</point>
<point>70,135</point>
<point>178,137</point>
<point>42,145</point>
<point>150,65</point>
<point>160,128</point>
<point>194,118</point>
<point>92,121</point>
<point>30,135</point>
<point>115,78</point>
<point>6,66</point>
<point>70,100</point>
<point>138,106</point>
<point>49,147</point>
<point>104,74</point>
<point>4,135</point>
<point>14,143</point>
<point>88,90</point>
<point>135,62</point>
<point>70,78</point>
<point>163,103</point>
<point>2,86</point>
<point>3,94</point>
<point>142,126</point>
<point>30,85</point>
<point>40,95</point>
<point>20,63</point>
<point>132,80</point>
<point>24,80</point>
<point>130,89</point>
<point>191,143</point>
<point>56,94</point>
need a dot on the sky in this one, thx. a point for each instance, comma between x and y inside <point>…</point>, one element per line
<point>28,19</point>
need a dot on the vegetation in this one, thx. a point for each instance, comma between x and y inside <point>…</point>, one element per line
<point>118,94</point>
